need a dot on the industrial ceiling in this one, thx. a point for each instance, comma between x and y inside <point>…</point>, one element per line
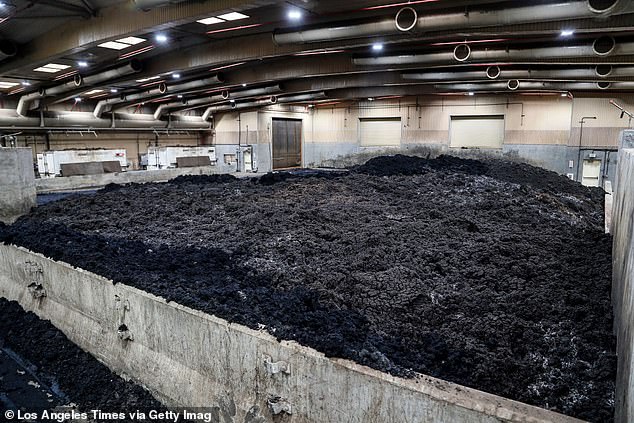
<point>152,63</point>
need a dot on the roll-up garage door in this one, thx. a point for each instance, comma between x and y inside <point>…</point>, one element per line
<point>378,132</point>
<point>477,131</point>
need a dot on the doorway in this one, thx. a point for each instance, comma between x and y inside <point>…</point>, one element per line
<point>591,173</point>
<point>287,143</point>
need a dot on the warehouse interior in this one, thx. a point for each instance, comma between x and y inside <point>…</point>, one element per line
<point>180,178</point>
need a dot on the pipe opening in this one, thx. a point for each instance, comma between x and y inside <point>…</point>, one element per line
<point>604,85</point>
<point>603,46</point>
<point>513,84</point>
<point>224,94</point>
<point>406,19</point>
<point>602,6</point>
<point>493,72</point>
<point>136,65</point>
<point>273,99</point>
<point>77,80</point>
<point>162,88</point>
<point>8,48</point>
<point>603,70</point>
<point>461,52</point>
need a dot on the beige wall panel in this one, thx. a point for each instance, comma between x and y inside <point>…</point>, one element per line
<point>595,137</point>
<point>542,137</point>
<point>421,136</point>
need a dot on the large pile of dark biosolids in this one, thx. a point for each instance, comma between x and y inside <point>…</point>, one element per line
<point>490,274</point>
<point>56,363</point>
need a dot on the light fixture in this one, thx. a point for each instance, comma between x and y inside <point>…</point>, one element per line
<point>176,75</point>
<point>567,32</point>
<point>51,68</point>
<point>114,90</point>
<point>77,99</point>
<point>91,92</point>
<point>161,38</point>
<point>131,40</point>
<point>244,85</point>
<point>122,43</point>
<point>233,16</point>
<point>180,96</point>
<point>377,46</point>
<point>26,83</point>
<point>210,21</point>
<point>564,94</point>
<point>82,64</point>
<point>294,15</point>
<point>471,93</point>
<point>6,84</point>
<point>232,101</point>
<point>370,99</point>
<point>113,45</point>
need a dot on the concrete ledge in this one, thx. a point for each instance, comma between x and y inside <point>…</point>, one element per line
<point>69,183</point>
<point>189,358</point>
<point>17,187</point>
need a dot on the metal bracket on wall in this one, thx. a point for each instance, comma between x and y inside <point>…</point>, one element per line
<point>35,275</point>
<point>277,367</point>
<point>279,405</point>
<point>122,307</point>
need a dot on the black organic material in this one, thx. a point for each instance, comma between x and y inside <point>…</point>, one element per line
<point>78,377</point>
<point>491,274</point>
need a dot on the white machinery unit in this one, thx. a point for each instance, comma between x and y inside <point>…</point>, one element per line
<point>49,162</point>
<point>165,157</point>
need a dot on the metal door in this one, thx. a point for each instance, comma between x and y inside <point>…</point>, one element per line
<point>287,143</point>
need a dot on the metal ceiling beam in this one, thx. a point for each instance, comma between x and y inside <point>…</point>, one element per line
<point>115,22</point>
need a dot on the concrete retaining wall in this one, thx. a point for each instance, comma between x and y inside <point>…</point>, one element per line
<point>17,183</point>
<point>188,358</point>
<point>623,276</point>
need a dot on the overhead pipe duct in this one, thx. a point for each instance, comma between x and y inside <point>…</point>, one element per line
<point>224,95</point>
<point>54,119</point>
<point>131,67</point>
<point>258,103</point>
<point>494,72</point>
<point>601,47</point>
<point>515,85</point>
<point>407,20</point>
<point>181,88</point>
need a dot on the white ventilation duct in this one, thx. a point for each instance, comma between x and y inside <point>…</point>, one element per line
<point>599,48</point>
<point>7,49</point>
<point>536,86</point>
<point>494,72</point>
<point>10,119</point>
<point>458,20</point>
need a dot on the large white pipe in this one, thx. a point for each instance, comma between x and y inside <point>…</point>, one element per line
<point>408,20</point>
<point>601,47</point>
<point>536,85</point>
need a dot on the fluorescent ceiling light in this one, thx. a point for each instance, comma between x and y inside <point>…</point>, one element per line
<point>56,66</point>
<point>45,69</point>
<point>210,21</point>
<point>567,32</point>
<point>26,83</point>
<point>82,64</point>
<point>294,14</point>
<point>6,84</point>
<point>113,45</point>
<point>233,16</point>
<point>161,38</point>
<point>77,99</point>
<point>377,46</point>
<point>131,40</point>
<point>176,75</point>
<point>471,93</point>
<point>114,90</point>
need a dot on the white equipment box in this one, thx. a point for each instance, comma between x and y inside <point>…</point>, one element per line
<point>165,157</point>
<point>49,162</point>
